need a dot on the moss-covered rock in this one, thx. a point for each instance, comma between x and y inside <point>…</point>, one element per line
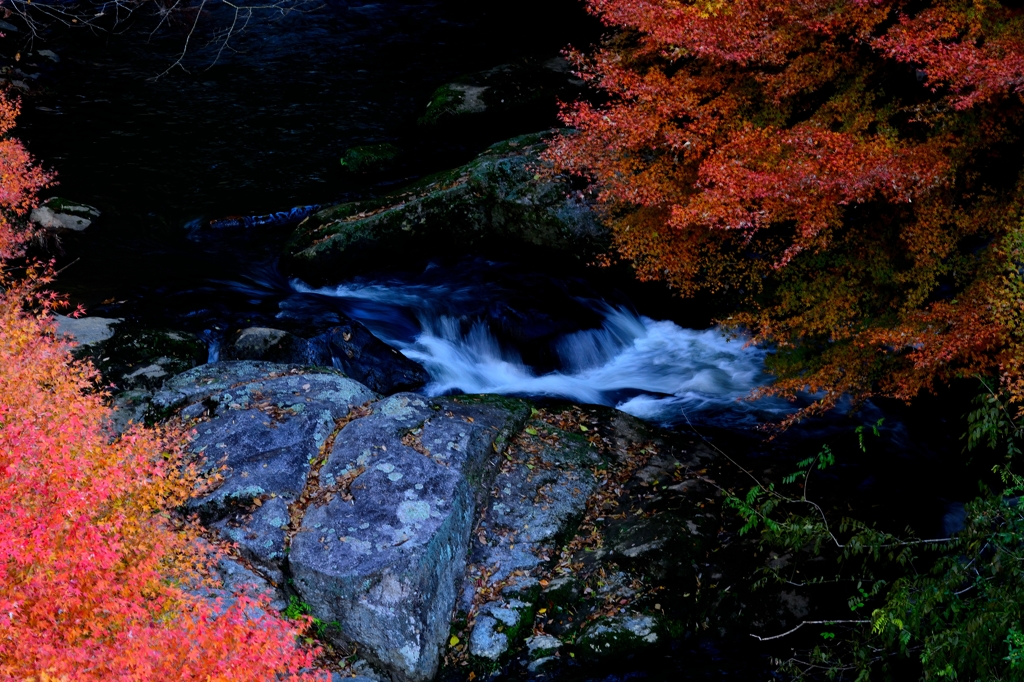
<point>497,203</point>
<point>370,157</point>
<point>503,89</point>
<point>616,636</point>
<point>139,357</point>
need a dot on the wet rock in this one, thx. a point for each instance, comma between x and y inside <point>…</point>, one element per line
<point>61,214</point>
<point>132,356</point>
<point>503,90</point>
<point>385,560</point>
<point>351,348</point>
<point>494,204</point>
<point>370,157</point>
<point>271,345</point>
<point>610,637</point>
<point>86,331</point>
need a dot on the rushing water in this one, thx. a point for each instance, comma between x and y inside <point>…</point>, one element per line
<point>653,369</point>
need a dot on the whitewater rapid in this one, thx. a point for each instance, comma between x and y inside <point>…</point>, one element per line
<point>652,369</point>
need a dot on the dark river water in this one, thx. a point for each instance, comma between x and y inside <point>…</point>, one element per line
<point>261,128</point>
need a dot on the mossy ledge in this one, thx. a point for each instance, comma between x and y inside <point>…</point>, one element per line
<point>498,203</point>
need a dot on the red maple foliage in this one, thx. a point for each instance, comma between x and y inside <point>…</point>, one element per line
<point>20,181</point>
<point>97,571</point>
<point>847,173</point>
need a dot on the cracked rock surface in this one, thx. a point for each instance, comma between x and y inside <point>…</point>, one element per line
<point>360,507</point>
<point>387,564</point>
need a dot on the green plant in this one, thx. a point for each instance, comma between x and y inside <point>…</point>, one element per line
<point>949,608</point>
<point>298,609</point>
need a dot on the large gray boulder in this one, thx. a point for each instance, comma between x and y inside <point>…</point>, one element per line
<point>260,428</point>
<point>496,203</point>
<point>365,504</point>
<point>386,560</point>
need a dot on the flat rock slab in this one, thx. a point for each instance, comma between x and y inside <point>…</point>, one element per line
<point>387,562</point>
<point>86,330</point>
<point>199,383</point>
<point>538,496</point>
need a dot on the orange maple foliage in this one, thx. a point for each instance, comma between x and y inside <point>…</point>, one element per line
<point>20,180</point>
<point>97,572</point>
<point>846,173</point>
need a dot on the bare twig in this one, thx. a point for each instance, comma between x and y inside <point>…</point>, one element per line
<point>809,622</point>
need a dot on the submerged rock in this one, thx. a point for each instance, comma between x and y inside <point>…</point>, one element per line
<point>496,203</point>
<point>370,157</point>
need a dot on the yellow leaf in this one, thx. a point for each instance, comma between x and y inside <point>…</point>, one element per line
<point>453,641</point>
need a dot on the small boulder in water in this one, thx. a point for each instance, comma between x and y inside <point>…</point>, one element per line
<point>61,214</point>
<point>361,355</point>
<point>86,331</point>
<point>271,345</point>
<point>369,157</point>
